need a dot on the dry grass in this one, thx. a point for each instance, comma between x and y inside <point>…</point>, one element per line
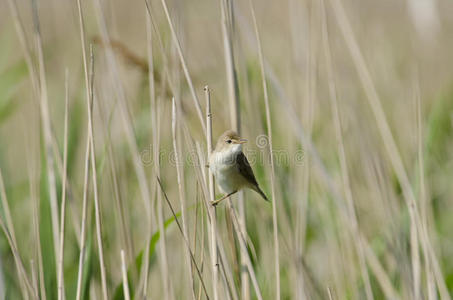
<point>348,110</point>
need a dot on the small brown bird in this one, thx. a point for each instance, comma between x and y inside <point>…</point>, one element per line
<point>230,166</point>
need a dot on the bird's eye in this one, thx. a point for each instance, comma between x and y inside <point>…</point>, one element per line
<point>228,141</point>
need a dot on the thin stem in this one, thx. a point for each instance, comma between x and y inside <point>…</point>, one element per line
<point>186,241</point>
<point>212,209</point>
<point>184,66</point>
<point>46,126</point>
<point>63,194</point>
<point>8,229</point>
<point>83,224</point>
<point>269,134</point>
<point>97,206</point>
<point>242,243</point>
<point>182,199</point>
<point>124,276</point>
<point>418,234</point>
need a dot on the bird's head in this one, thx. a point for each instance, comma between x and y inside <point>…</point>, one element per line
<point>230,141</point>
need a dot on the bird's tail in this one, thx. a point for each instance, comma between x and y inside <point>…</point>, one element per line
<point>259,191</point>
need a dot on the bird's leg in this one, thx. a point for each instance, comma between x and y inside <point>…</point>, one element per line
<point>215,202</point>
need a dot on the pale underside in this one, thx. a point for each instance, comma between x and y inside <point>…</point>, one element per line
<point>232,171</point>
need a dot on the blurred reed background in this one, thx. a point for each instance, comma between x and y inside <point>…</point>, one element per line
<point>103,184</point>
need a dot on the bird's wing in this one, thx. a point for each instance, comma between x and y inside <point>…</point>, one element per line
<point>245,169</point>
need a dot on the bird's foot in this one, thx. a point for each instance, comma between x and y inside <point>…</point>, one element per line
<point>215,202</point>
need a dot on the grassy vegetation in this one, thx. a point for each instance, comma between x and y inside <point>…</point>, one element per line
<point>107,109</point>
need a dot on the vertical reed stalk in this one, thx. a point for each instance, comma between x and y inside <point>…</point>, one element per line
<point>182,198</point>
<point>242,243</point>
<point>152,95</point>
<point>227,21</point>
<point>89,82</point>
<point>184,65</point>
<point>271,157</point>
<point>46,126</point>
<point>36,221</point>
<point>124,276</point>
<point>117,86</point>
<point>342,153</point>
<point>61,295</point>
<point>97,206</point>
<point>418,233</point>
<point>160,215</point>
<point>211,208</point>
<point>424,207</point>
<point>185,239</point>
<point>8,229</point>
<point>83,222</point>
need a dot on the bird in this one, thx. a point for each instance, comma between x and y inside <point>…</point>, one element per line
<point>230,166</point>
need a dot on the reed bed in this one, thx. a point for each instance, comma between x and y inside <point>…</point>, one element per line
<point>109,111</point>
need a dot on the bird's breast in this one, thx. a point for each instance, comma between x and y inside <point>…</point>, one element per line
<point>225,172</point>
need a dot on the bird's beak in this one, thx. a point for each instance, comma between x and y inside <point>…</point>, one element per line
<point>242,141</point>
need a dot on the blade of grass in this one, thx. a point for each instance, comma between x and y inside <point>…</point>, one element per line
<point>418,231</point>
<point>117,87</point>
<point>184,238</point>
<point>342,153</point>
<point>97,206</point>
<point>61,295</point>
<point>36,226</point>
<point>83,224</point>
<point>227,22</point>
<point>271,158</point>
<point>182,199</point>
<point>46,127</point>
<point>124,273</point>
<point>184,65</point>
<point>8,229</point>
<point>431,287</point>
<point>242,242</point>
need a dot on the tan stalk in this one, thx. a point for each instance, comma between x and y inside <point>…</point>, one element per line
<point>83,223</point>
<point>211,198</point>
<point>97,206</point>
<point>242,243</point>
<point>124,276</point>
<point>89,86</point>
<point>35,211</point>
<point>130,135</point>
<point>184,66</point>
<point>342,153</point>
<point>8,229</point>
<point>296,125</point>
<point>227,21</point>
<point>186,241</point>
<point>424,203</point>
<point>271,157</point>
<point>418,231</point>
<point>143,283</point>
<point>182,198</point>
<point>60,254</point>
<point>46,127</point>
